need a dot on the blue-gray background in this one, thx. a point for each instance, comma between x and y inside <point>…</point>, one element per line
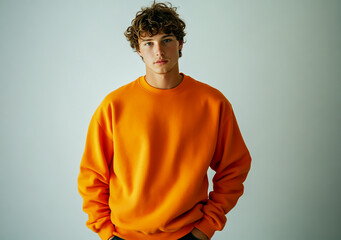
<point>278,62</point>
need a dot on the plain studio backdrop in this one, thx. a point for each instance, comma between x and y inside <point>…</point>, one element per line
<point>278,62</point>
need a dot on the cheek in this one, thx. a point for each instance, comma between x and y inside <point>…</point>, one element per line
<point>175,50</point>
<point>146,56</point>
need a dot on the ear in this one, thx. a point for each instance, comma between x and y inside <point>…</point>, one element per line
<point>139,53</point>
<point>181,44</point>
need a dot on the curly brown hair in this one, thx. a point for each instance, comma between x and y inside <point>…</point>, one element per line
<point>158,18</point>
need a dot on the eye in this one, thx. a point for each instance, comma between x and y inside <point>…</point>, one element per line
<point>148,44</point>
<point>167,40</point>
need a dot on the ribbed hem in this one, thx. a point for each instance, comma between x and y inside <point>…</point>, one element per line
<point>127,234</point>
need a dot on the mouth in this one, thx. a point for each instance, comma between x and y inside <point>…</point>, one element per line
<point>161,61</point>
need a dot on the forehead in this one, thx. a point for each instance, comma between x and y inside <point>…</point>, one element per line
<point>146,36</point>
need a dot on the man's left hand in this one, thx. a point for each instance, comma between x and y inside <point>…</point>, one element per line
<point>199,234</point>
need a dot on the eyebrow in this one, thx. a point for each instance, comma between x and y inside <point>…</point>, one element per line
<point>150,39</point>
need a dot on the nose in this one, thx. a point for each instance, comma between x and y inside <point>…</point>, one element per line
<point>159,50</point>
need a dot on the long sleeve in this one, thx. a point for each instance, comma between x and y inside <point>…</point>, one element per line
<point>231,162</point>
<point>93,179</point>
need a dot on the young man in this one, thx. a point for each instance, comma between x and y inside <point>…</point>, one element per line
<point>150,143</point>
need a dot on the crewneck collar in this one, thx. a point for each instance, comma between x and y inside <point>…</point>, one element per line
<point>144,84</point>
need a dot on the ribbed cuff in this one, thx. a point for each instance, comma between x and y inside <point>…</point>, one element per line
<point>106,231</point>
<point>206,227</point>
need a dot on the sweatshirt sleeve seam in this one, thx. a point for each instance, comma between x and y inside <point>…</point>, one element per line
<point>109,135</point>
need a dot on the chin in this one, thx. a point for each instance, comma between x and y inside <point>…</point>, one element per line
<point>161,71</point>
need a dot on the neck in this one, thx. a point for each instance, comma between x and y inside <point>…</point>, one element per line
<point>164,80</point>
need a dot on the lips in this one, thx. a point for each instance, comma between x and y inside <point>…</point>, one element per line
<point>161,61</point>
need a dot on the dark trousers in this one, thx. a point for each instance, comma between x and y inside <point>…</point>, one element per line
<point>186,237</point>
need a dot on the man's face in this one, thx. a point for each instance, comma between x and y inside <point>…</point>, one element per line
<point>160,52</point>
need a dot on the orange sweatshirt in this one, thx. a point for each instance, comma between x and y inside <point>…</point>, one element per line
<point>143,174</point>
